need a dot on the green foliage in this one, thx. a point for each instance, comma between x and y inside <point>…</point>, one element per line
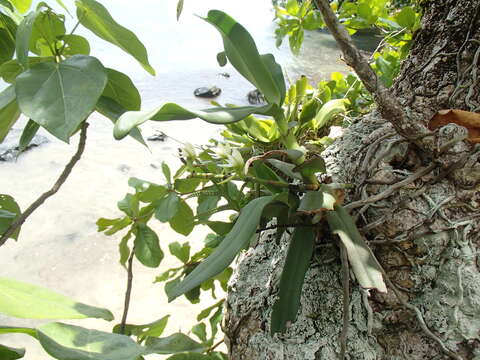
<point>24,300</point>
<point>9,212</point>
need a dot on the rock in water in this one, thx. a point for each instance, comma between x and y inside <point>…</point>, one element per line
<point>206,92</point>
<point>9,147</point>
<point>255,97</point>
<point>158,136</point>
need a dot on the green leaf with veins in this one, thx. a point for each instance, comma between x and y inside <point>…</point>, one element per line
<point>121,89</point>
<point>96,18</point>
<point>59,97</point>
<point>147,247</point>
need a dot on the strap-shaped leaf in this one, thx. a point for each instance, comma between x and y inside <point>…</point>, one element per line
<point>29,132</point>
<point>96,18</point>
<point>262,71</point>
<point>365,266</point>
<point>68,342</point>
<point>234,242</point>
<point>27,301</point>
<point>18,330</point>
<point>171,111</point>
<point>293,274</point>
<point>9,111</point>
<point>60,97</point>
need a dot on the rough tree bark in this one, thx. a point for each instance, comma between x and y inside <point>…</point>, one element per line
<point>425,234</point>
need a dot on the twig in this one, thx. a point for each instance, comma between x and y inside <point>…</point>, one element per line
<point>128,293</point>
<point>215,346</point>
<point>388,105</point>
<point>390,190</point>
<point>421,321</point>
<point>346,300</point>
<point>63,177</point>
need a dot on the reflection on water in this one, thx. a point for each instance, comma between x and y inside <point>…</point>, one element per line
<point>59,247</point>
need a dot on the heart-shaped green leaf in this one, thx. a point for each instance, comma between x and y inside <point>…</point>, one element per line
<point>60,97</point>
<point>68,342</point>
<point>96,18</point>
<point>27,301</point>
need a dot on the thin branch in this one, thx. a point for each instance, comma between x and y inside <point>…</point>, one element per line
<point>58,184</point>
<point>388,105</point>
<point>128,293</point>
<point>220,342</point>
<point>346,300</point>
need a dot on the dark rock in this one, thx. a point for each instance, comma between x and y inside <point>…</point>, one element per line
<point>158,136</point>
<point>224,74</point>
<point>9,147</point>
<point>255,97</point>
<point>206,92</point>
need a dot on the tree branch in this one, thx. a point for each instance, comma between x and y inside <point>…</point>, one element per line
<point>388,106</point>
<point>128,293</point>
<point>58,184</point>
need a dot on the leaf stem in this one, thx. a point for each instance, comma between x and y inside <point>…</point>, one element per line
<point>58,184</point>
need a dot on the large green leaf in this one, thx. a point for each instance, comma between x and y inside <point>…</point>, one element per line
<point>147,247</point>
<point>95,17</point>
<point>293,274</point>
<point>22,300</point>
<point>167,207</point>
<point>11,69</point>
<point>237,239</point>
<point>60,97</point>
<point>113,110</point>
<point>171,111</point>
<point>241,51</point>
<point>24,33</point>
<point>365,266</point>
<point>328,111</point>
<point>172,344</point>
<point>121,89</point>
<point>48,27</point>
<point>142,331</point>
<point>9,212</point>
<point>8,353</point>
<point>9,111</point>
<point>68,342</point>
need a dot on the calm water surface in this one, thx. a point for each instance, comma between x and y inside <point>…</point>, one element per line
<point>59,246</point>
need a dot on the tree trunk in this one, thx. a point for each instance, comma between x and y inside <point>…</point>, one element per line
<point>425,234</point>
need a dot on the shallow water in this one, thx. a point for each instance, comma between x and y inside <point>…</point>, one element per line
<point>59,247</point>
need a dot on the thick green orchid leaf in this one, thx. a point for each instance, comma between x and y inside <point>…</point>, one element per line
<point>68,342</point>
<point>96,18</point>
<point>18,330</point>
<point>61,96</point>
<point>172,111</point>
<point>236,240</point>
<point>240,49</point>
<point>367,270</point>
<point>296,265</point>
<point>27,301</point>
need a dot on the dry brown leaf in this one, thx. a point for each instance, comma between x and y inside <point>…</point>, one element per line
<point>467,119</point>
